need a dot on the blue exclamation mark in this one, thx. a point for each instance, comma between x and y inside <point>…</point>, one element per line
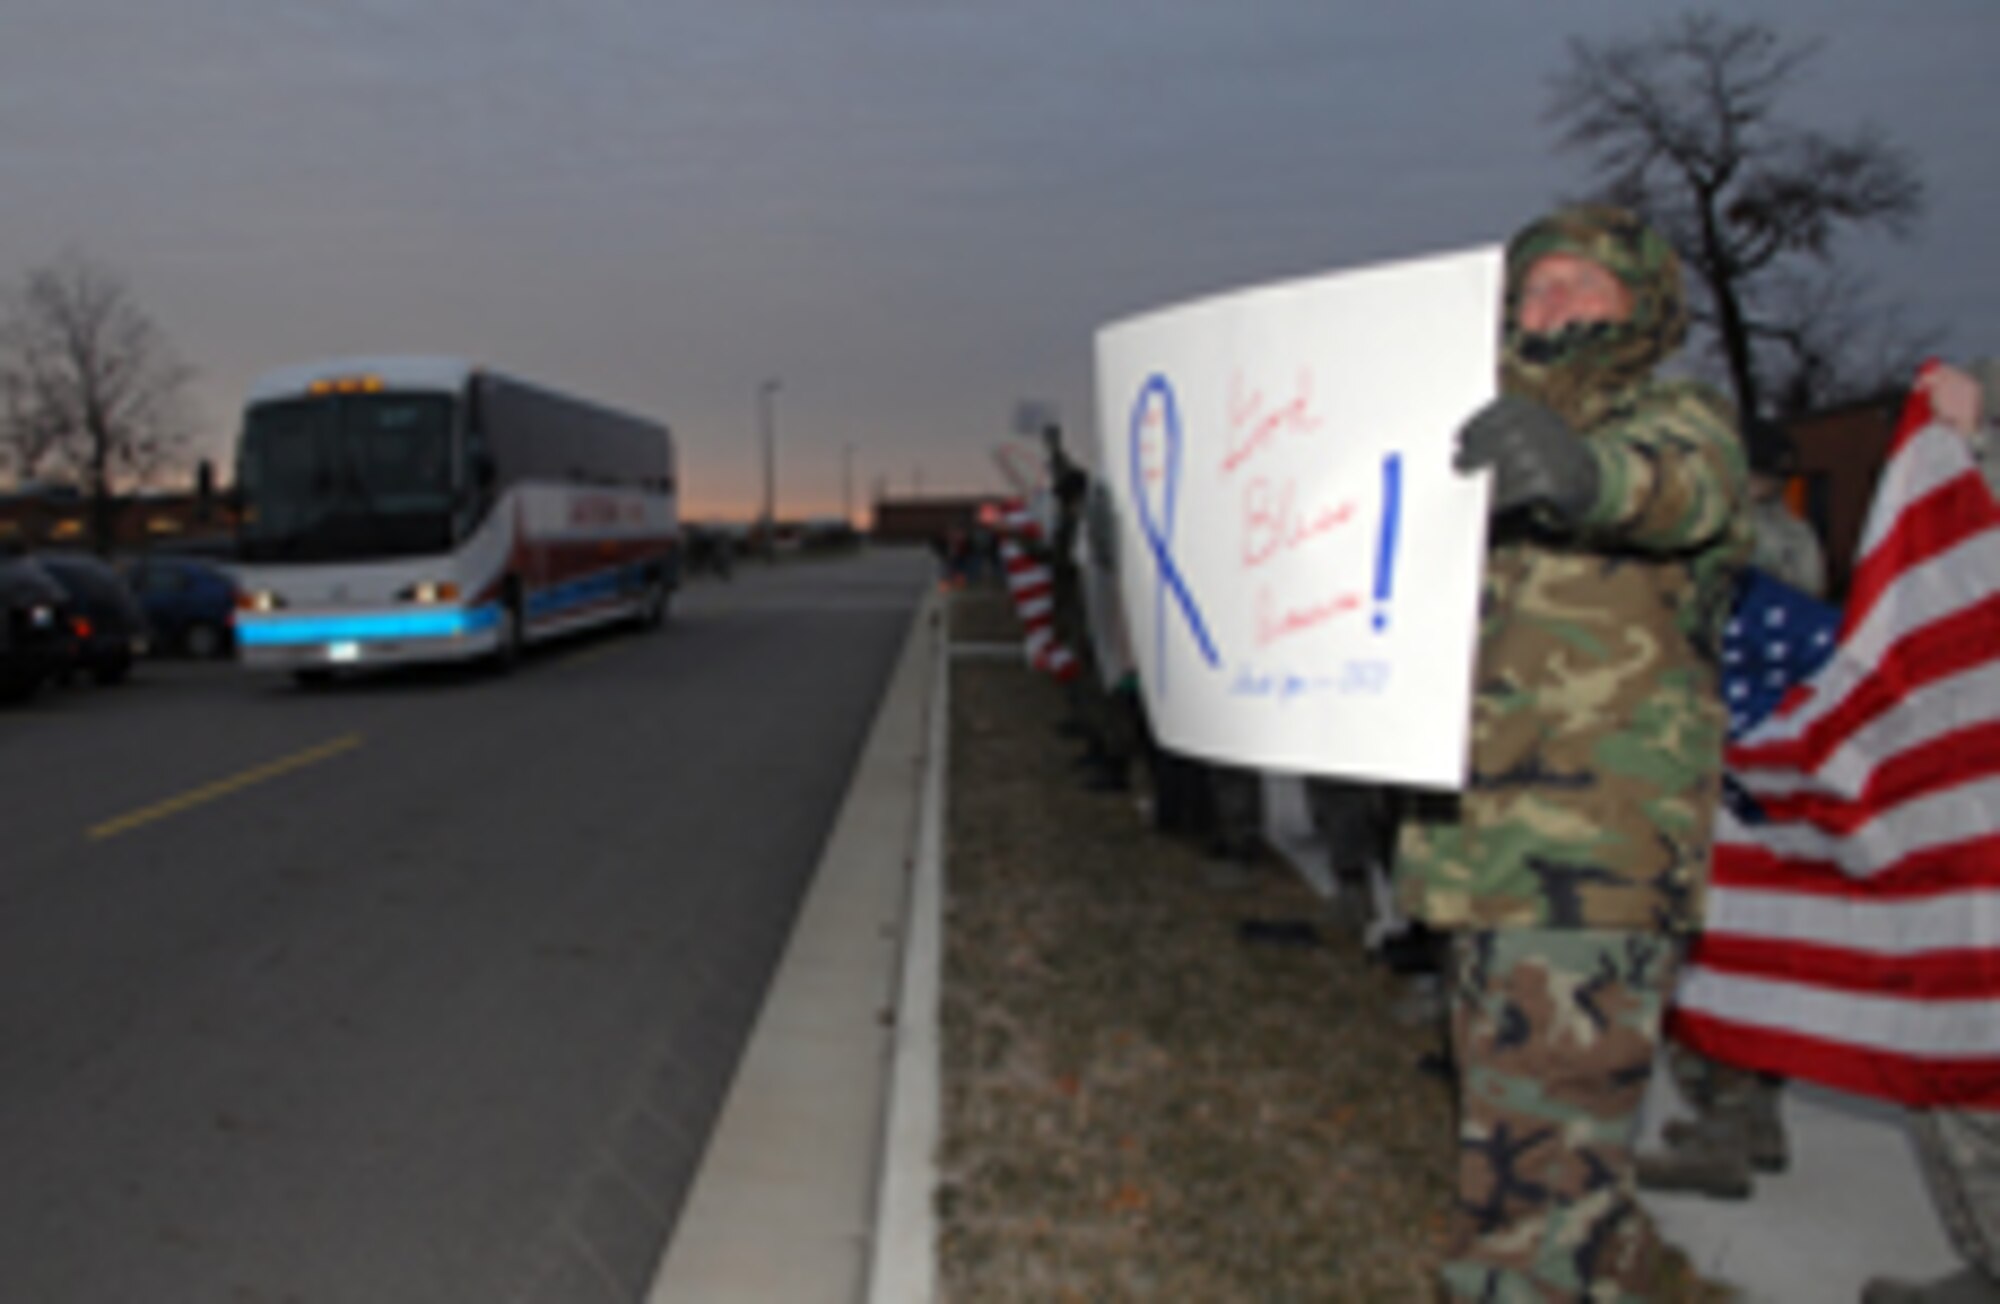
<point>1385,549</point>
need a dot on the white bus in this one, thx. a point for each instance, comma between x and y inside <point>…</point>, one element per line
<point>404,509</point>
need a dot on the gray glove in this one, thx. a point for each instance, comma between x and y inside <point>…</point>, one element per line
<point>1535,456</point>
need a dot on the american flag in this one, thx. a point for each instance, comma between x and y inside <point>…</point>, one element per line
<point>1853,927</point>
<point>1777,637</point>
<point>1033,591</point>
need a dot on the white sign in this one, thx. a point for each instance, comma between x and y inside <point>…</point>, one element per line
<point>1298,562</point>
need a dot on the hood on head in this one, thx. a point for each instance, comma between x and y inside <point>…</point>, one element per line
<point>1623,245</point>
<point>1573,368</point>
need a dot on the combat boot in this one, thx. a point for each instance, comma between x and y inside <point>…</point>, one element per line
<point>1747,1121</point>
<point>1764,1132</point>
<point>1966,1286</point>
<point>1703,1156</point>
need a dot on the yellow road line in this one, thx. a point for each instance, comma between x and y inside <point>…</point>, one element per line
<point>222,787</point>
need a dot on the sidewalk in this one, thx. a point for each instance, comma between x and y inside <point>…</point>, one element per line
<point>1162,1078</point>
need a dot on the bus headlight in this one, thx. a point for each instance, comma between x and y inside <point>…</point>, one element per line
<point>430,592</point>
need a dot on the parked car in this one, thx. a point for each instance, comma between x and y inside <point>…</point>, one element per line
<point>34,639</point>
<point>106,626</point>
<point>188,602</point>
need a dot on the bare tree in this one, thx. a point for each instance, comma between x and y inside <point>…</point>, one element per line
<point>26,440</point>
<point>1683,127</point>
<point>1823,339</point>
<point>91,388</point>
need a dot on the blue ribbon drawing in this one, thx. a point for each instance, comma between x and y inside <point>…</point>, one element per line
<point>1159,532</point>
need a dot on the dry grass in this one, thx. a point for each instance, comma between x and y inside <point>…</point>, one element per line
<point>1140,1104</point>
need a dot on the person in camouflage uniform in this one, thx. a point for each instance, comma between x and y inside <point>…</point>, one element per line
<point>1579,849</point>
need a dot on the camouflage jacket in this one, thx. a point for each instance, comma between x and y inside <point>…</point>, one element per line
<point>1597,727</point>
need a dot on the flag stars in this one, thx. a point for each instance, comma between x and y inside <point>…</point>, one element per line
<point>1776,637</point>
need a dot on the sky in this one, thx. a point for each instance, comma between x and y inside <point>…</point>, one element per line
<point>911,214</point>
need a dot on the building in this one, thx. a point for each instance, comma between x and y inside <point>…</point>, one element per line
<point>924,520</point>
<point>1841,451</point>
<point>59,517</point>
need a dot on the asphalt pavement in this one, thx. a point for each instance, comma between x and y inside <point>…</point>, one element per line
<point>425,988</point>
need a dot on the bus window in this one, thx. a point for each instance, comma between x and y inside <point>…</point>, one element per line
<point>365,475</point>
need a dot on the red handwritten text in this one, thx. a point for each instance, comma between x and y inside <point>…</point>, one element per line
<point>1255,422</point>
<point>1273,522</point>
<point>1277,620</point>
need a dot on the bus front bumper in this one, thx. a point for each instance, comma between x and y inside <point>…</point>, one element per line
<point>284,640</point>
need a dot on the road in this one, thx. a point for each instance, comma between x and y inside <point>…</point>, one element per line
<point>418,989</point>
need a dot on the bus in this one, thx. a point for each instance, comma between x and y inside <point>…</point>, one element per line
<point>394,510</point>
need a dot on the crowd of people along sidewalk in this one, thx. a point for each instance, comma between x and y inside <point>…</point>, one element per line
<point>1553,898</point>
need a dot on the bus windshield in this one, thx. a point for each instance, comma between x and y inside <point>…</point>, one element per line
<point>347,476</point>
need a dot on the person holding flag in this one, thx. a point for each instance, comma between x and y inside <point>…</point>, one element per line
<point>1852,931</point>
<point>1958,1147</point>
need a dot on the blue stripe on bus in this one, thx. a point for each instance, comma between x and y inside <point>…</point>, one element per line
<point>429,622</point>
<point>366,627</point>
<point>577,593</point>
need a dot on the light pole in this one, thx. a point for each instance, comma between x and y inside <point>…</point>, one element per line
<point>847,485</point>
<point>767,420</point>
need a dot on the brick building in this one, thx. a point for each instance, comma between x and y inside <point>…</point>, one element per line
<point>921,520</point>
<point>60,518</point>
<point>1841,452</point>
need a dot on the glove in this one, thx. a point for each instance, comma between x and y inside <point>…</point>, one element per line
<point>1535,456</point>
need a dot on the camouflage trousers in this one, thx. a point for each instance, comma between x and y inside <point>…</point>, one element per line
<point>1959,1150</point>
<point>1554,1031</point>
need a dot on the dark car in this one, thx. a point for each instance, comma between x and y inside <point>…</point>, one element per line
<point>106,626</point>
<point>34,636</point>
<point>189,603</point>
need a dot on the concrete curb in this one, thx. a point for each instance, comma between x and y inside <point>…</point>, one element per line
<point>784,1203</point>
<point>903,1267</point>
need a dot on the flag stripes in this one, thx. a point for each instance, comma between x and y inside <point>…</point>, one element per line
<point>1853,926</point>
<point>1032,588</point>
